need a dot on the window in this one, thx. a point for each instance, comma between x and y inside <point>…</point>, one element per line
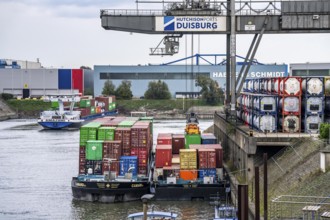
<point>151,76</point>
<point>318,72</point>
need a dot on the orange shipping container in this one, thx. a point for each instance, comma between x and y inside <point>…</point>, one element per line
<point>188,174</point>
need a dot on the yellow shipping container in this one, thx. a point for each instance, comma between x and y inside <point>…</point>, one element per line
<point>188,159</point>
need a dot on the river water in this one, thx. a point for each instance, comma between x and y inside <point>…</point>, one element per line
<point>36,167</point>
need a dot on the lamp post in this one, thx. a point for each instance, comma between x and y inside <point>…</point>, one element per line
<point>145,199</point>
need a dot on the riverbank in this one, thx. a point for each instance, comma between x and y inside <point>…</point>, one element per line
<point>159,109</point>
<point>6,112</point>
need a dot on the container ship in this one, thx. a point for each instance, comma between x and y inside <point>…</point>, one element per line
<point>118,162</point>
<point>72,117</point>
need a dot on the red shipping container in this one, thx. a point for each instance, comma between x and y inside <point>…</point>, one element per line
<point>178,142</point>
<point>124,135</point>
<point>140,136</point>
<point>164,141</point>
<point>110,166</point>
<point>82,159</point>
<point>218,150</point>
<point>102,102</point>
<point>206,158</point>
<point>163,156</point>
<point>112,149</point>
<point>142,155</point>
<point>92,102</point>
<point>78,80</point>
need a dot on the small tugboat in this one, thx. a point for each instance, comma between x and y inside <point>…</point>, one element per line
<point>153,215</point>
<point>223,211</point>
<point>59,119</point>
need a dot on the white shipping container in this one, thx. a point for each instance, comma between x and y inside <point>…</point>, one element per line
<point>267,104</point>
<point>250,86</point>
<point>267,123</point>
<point>256,85</point>
<point>312,124</point>
<point>269,85</point>
<point>327,85</point>
<point>314,105</point>
<point>314,86</point>
<point>291,104</point>
<point>291,86</point>
<point>276,86</point>
<point>290,123</point>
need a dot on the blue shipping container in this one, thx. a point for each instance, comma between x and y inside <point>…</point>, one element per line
<point>206,172</point>
<point>127,162</point>
<point>208,139</point>
<point>64,79</point>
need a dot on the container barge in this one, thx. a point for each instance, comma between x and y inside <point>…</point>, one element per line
<point>72,117</point>
<point>117,162</point>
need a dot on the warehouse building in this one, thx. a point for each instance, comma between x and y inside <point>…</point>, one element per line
<point>179,78</point>
<point>310,69</point>
<point>40,82</point>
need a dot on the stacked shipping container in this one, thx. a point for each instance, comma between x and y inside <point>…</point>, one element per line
<point>106,148</point>
<point>89,106</point>
<point>313,104</point>
<point>298,103</point>
<point>189,162</point>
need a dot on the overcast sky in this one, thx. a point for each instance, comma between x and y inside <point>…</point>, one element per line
<point>68,33</point>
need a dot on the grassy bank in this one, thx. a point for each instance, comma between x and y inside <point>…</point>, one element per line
<point>161,105</point>
<point>28,108</point>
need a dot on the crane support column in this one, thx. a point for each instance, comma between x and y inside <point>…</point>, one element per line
<point>228,59</point>
<point>233,58</point>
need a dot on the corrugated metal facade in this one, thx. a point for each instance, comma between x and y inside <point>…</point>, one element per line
<point>42,81</point>
<point>64,79</point>
<point>78,80</point>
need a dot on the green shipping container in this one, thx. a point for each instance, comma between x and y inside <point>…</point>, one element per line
<point>94,150</point>
<point>192,139</point>
<point>84,103</point>
<point>54,105</point>
<point>126,124</point>
<point>92,110</point>
<point>88,132</point>
<point>112,106</point>
<point>106,133</point>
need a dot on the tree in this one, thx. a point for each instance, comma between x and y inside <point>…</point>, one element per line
<point>85,68</point>
<point>124,90</point>
<point>88,91</point>
<point>210,90</point>
<point>109,88</point>
<point>157,90</point>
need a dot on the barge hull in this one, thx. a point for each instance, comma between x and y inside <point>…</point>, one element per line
<point>102,191</point>
<point>189,192</point>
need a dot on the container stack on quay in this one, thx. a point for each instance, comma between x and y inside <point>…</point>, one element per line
<point>115,146</point>
<point>182,158</point>
<point>289,104</point>
<point>313,104</point>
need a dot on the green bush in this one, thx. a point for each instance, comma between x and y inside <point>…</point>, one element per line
<point>324,130</point>
<point>7,96</point>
